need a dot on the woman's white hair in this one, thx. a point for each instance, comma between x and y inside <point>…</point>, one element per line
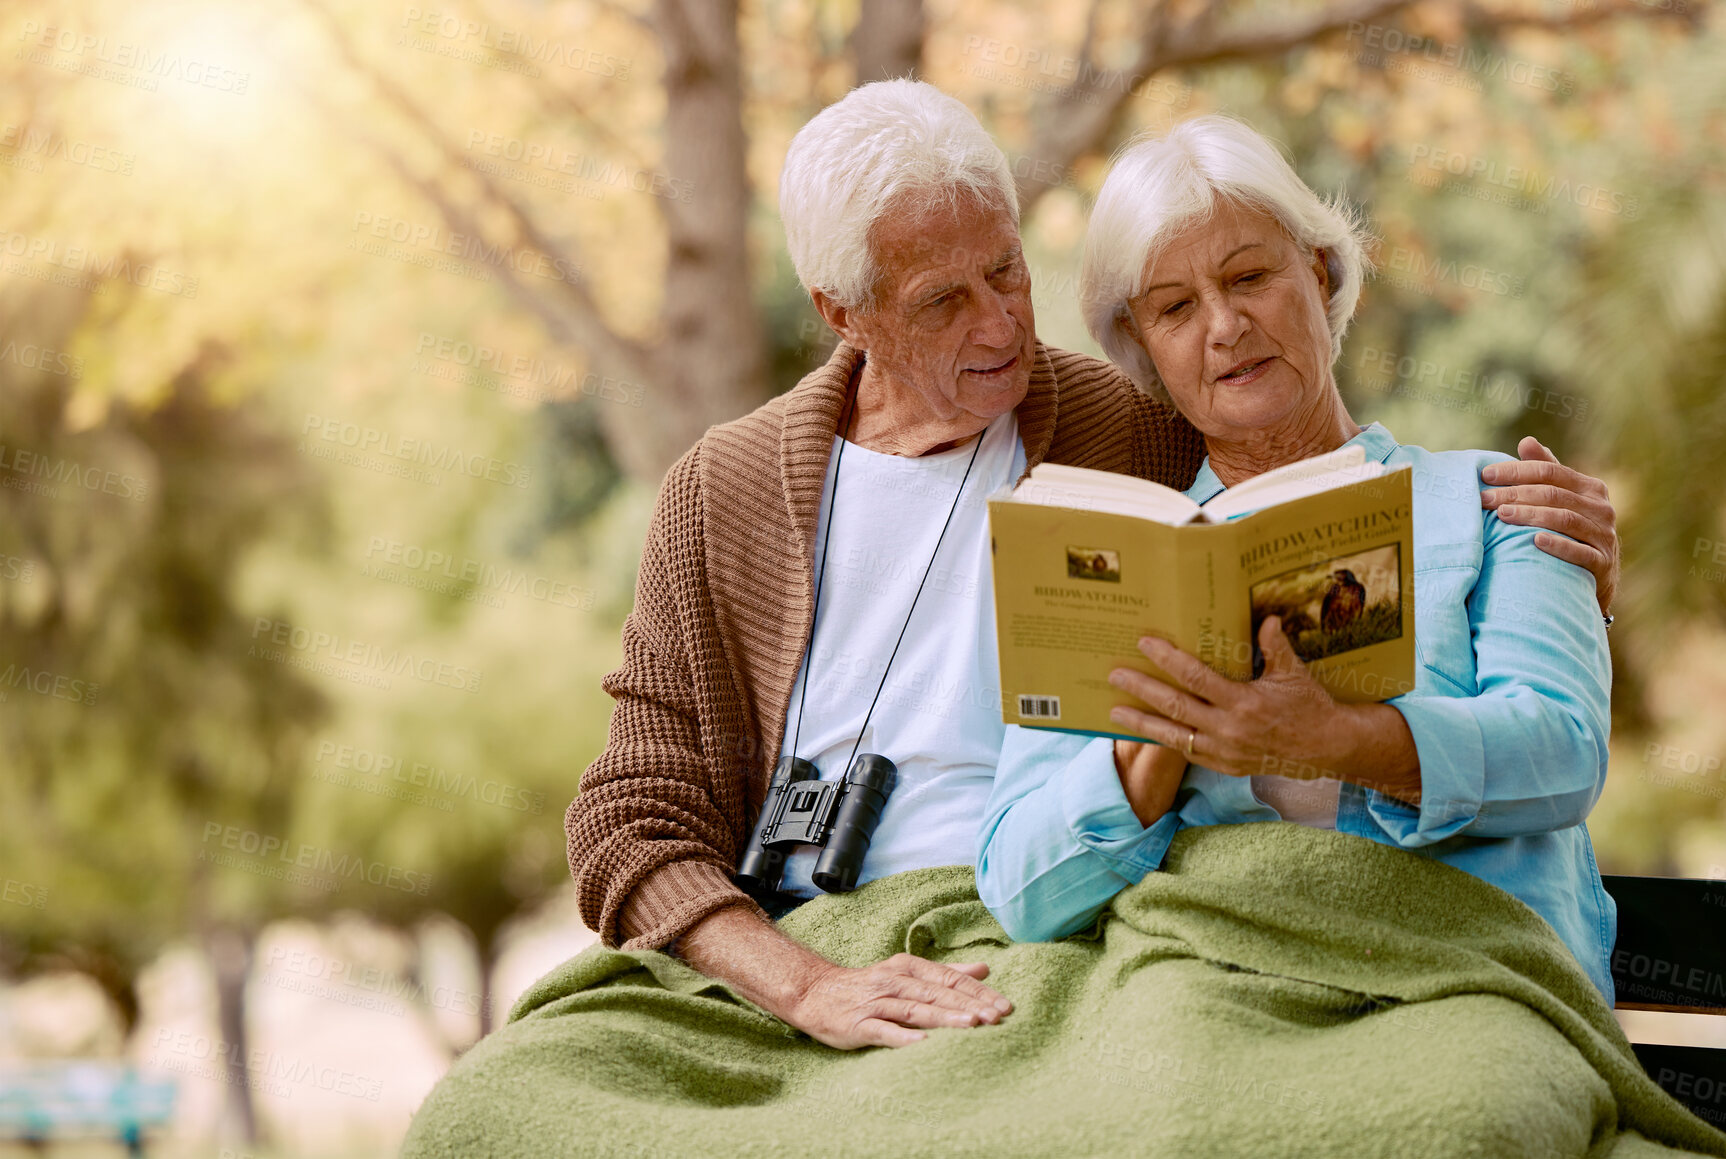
<point>894,145</point>
<point>1158,186</point>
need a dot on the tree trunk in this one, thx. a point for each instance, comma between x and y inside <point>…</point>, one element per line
<point>888,40</point>
<point>710,358</point>
<point>117,977</point>
<point>487,955</point>
<point>230,953</point>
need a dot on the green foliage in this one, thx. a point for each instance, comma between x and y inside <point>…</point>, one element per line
<point>575,465</point>
<point>142,715</point>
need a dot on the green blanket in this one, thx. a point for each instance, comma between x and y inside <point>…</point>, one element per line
<point>1276,991</point>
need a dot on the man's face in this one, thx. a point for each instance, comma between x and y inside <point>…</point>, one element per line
<point>952,316</point>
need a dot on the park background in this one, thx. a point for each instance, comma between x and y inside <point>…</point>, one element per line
<point>343,346</point>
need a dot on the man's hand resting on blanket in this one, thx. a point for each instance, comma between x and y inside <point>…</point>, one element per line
<point>878,1005</point>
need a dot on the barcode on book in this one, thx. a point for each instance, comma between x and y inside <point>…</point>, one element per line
<point>1043,707</point>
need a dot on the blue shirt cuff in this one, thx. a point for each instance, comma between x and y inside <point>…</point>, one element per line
<point>1101,819</point>
<point>1452,753</point>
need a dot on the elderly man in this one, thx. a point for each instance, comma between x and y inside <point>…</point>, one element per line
<point>815,580</point>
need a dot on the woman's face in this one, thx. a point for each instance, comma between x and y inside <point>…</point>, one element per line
<point>1234,321</point>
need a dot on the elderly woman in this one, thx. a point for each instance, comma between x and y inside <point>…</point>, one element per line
<point>1217,280</point>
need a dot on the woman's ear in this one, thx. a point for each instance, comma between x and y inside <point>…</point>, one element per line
<point>1128,326</point>
<point>1321,267</point>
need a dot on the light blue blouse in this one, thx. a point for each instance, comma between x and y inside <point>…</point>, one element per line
<point>1510,715</point>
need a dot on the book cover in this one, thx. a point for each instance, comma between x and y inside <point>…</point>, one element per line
<point>1075,589</point>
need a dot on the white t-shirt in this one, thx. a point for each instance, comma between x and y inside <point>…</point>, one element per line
<point>939,715</point>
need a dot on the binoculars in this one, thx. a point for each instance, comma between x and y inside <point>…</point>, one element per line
<point>801,809</point>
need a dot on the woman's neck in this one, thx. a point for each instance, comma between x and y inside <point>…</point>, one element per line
<point>1237,459</point>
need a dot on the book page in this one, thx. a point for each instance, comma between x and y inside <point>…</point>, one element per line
<point>1295,481</point>
<point>1084,489</point>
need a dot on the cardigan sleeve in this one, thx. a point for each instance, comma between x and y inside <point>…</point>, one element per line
<point>649,847</point>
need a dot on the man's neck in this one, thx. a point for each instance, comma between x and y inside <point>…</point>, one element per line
<point>891,419</point>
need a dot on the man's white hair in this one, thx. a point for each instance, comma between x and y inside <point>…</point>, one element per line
<point>1158,186</point>
<point>894,145</point>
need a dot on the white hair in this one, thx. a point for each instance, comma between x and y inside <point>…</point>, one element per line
<point>1158,186</point>
<point>893,145</point>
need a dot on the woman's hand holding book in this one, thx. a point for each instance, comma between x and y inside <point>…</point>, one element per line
<point>1284,722</point>
<point>1150,774</point>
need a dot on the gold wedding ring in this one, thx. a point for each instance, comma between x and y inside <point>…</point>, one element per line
<point>1192,735</point>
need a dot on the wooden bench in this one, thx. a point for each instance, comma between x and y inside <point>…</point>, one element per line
<point>44,1102</point>
<point>1671,956</point>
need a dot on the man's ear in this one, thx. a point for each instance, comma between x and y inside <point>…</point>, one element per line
<point>842,319</point>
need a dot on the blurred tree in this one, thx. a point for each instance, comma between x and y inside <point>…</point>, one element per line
<point>706,354</point>
<point>132,716</point>
<point>1085,118</point>
<point>574,464</point>
<point>1646,332</point>
<point>887,40</point>
<point>691,303</point>
<point>1645,335</point>
<point>708,363</point>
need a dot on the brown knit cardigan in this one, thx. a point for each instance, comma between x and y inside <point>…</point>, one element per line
<point>723,610</point>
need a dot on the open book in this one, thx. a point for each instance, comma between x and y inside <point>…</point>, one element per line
<point>1088,561</point>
